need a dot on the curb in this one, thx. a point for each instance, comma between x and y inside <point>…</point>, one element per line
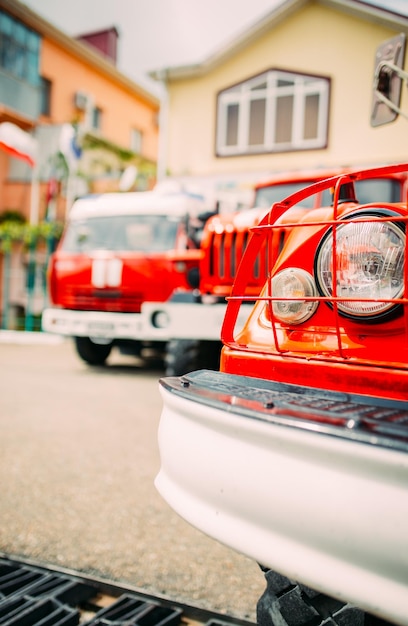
<point>29,338</point>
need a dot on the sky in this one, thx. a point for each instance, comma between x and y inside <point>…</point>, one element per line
<point>163,33</point>
<point>156,33</point>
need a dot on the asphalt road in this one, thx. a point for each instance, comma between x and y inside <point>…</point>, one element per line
<point>78,460</point>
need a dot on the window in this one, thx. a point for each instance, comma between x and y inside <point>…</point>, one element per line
<point>96,118</point>
<point>19,50</point>
<point>136,140</point>
<point>378,189</point>
<point>266,196</point>
<point>140,233</point>
<point>45,96</point>
<point>372,190</point>
<point>274,112</point>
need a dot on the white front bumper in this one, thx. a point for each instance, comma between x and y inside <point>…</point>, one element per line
<point>328,511</point>
<point>182,320</point>
<point>92,324</point>
<point>190,320</point>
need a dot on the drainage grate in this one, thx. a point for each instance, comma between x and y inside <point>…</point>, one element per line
<point>30,596</point>
<point>130,610</point>
<point>24,611</point>
<point>33,595</point>
<point>22,580</point>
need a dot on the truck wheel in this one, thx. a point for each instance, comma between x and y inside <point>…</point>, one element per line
<point>287,603</point>
<point>90,352</point>
<point>185,355</point>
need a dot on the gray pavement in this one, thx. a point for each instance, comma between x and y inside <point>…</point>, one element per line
<point>77,466</point>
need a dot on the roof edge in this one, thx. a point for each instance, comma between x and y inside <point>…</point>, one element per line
<point>78,49</point>
<point>359,8</point>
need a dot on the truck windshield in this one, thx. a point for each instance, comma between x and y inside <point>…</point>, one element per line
<point>266,196</point>
<point>378,190</point>
<point>371,190</point>
<point>138,233</point>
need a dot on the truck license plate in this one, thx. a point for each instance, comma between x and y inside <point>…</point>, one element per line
<point>100,329</point>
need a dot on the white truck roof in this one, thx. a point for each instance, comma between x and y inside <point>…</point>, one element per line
<point>137,203</point>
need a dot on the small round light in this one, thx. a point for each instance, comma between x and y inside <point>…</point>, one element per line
<point>369,265</point>
<point>293,283</point>
<point>160,319</point>
<point>180,267</point>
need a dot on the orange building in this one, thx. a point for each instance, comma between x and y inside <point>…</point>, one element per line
<point>70,124</point>
<point>56,89</point>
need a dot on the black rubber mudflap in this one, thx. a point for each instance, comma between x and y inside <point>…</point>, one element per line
<point>287,603</point>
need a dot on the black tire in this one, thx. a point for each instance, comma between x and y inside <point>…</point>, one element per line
<point>90,352</point>
<point>186,355</point>
<point>288,603</point>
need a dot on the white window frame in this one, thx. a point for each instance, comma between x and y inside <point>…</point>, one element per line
<point>243,94</point>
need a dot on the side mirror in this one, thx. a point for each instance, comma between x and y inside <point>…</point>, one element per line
<point>388,76</point>
<point>204,217</point>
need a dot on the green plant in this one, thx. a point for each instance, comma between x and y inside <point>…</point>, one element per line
<point>30,235</point>
<point>12,215</point>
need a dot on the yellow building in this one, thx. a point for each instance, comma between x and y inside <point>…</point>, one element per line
<point>294,91</point>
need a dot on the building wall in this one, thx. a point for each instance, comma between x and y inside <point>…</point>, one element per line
<point>315,40</point>
<point>121,111</point>
<point>71,66</point>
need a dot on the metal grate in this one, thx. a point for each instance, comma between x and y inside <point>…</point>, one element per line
<point>224,255</point>
<point>37,596</point>
<point>32,597</point>
<point>26,611</point>
<point>128,610</point>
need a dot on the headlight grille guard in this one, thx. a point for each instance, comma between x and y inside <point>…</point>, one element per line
<point>263,232</point>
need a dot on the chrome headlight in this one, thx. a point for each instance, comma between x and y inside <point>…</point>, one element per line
<point>293,283</point>
<point>368,268</point>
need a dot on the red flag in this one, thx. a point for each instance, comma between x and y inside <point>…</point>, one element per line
<point>18,143</point>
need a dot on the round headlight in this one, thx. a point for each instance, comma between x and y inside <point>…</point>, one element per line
<point>368,268</point>
<point>293,283</point>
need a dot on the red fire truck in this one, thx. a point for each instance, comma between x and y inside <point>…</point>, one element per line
<point>127,274</point>
<point>117,251</point>
<point>148,273</point>
<point>297,449</point>
<point>224,240</point>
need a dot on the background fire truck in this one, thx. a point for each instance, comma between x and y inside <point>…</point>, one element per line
<point>117,251</point>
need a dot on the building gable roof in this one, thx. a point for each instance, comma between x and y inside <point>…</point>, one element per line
<point>358,8</point>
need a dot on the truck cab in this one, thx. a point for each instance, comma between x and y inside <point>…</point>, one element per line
<point>117,251</point>
<point>226,236</point>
